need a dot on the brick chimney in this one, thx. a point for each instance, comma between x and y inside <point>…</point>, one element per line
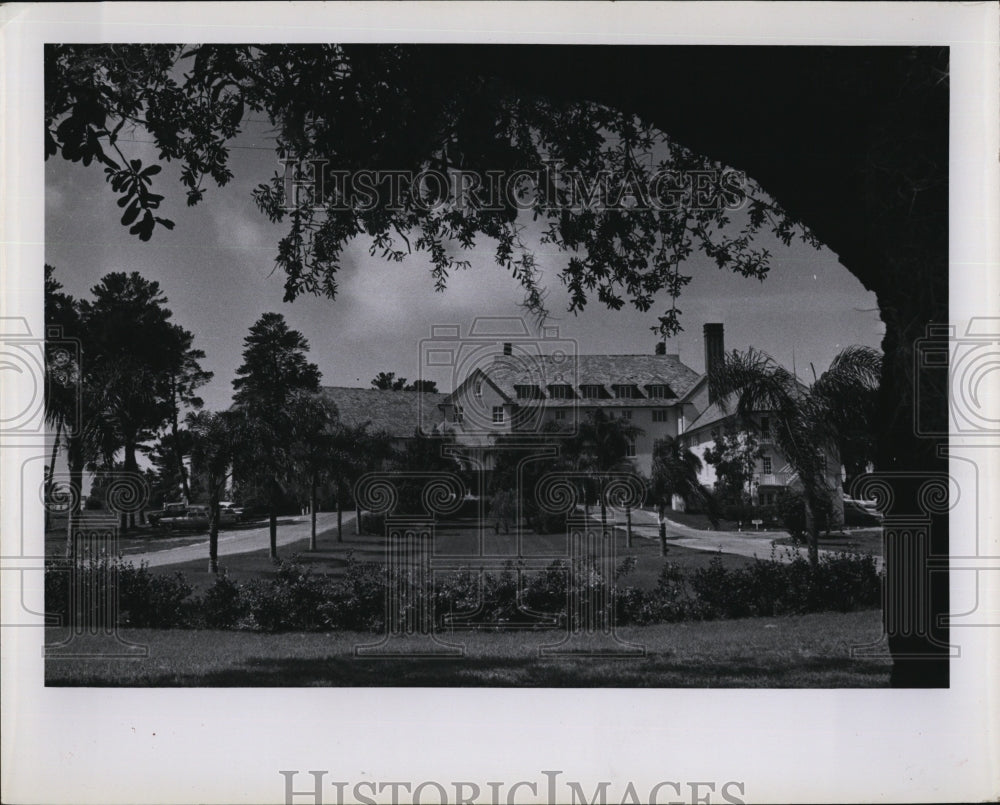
<point>715,351</point>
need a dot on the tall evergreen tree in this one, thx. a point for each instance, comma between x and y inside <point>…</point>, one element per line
<point>274,368</point>
<point>185,379</point>
<point>133,352</point>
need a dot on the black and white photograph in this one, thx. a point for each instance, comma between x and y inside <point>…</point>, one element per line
<point>478,374</point>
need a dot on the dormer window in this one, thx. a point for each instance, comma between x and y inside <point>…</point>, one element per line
<point>659,391</point>
<point>625,392</point>
<point>560,391</point>
<point>528,392</point>
<point>479,388</point>
<point>590,391</point>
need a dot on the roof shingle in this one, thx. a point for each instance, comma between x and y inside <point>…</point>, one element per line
<point>604,370</point>
<point>397,413</point>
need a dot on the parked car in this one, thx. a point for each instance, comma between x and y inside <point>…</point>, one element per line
<point>195,517</point>
<point>168,512</point>
<point>189,517</point>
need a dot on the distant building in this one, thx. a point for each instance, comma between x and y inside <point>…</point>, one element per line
<point>399,414</point>
<point>520,395</point>
<point>773,472</point>
<point>514,396</point>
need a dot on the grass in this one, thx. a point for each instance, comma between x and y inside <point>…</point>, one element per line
<point>455,541</point>
<point>806,651</point>
<point>140,539</point>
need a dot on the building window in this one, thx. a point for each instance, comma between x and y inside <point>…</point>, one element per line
<point>626,413</point>
<point>559,392</point>
<point>479,388</point>
<point>560,415</point>
<point>624,392</point>
<point>660,415</point>
<point>767,465</point>
<point>456,415</point>
<point>765,425</point>
<point>497,414</point>
<point>656,392</point>
<point>527,392</point>
<point>630,448</point>
<point>590,392</point>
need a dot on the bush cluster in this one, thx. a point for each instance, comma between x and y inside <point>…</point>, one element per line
<point>103,589</point>
<point>295,599</point>
<point>766,588</point>
<point>791,510</point>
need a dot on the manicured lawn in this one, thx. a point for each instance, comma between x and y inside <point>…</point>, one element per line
<point>140,539</point>
<point>807,651</point>
<point>455,541</point>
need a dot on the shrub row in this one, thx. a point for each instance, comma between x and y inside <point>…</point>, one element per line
<point>295,599</point>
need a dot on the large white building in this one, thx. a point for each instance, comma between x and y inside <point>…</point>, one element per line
<point>519,394</point>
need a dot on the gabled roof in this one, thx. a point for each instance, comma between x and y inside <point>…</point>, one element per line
<point>506,372</point>
<point>397,413</point>
<point>711,416</point>
<point>716,413</point>
<point>478,374</point>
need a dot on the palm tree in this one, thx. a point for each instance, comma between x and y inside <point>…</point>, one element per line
<point>315,427</point>
<point>847,394</point>
<point>808,420</point>
<point>675,472</point>
<point>215,439</point>
<point>602,446</point>
<point>75,403</point>
<point>62,370</point>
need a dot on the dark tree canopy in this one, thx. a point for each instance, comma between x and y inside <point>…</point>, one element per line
<point>409,114</point>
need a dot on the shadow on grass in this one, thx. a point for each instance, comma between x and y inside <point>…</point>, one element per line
<point>652,671</point>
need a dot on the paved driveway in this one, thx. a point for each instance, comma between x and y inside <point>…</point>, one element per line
<point>742,543</point>
<point>290,529</point>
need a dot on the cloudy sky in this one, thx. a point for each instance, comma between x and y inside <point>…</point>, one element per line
<point>217,269</point>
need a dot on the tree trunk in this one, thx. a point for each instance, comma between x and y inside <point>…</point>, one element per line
<point>74,459</point>
<point>663,532</point>
<point>917,601</point>
<point>181,469</point>
<point>131,467</point>
<point>340,512</point>
<point>50,478</point>
<point>812,532</point>
<point>213,530</point>
<point>312,513</point>
<point>357,522</point>
<point>272,521</point>
<point>628,526</point>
